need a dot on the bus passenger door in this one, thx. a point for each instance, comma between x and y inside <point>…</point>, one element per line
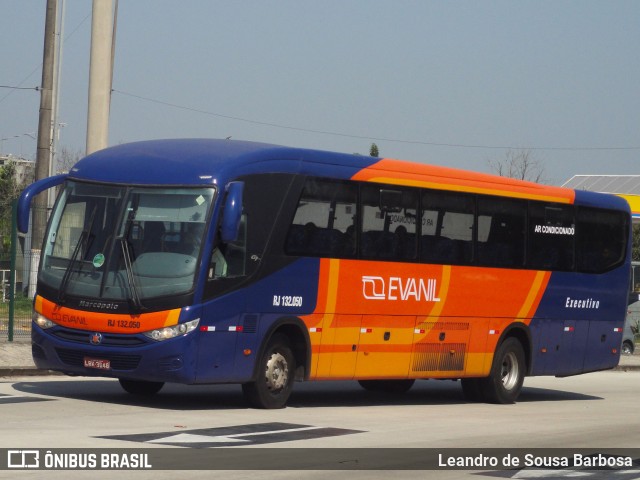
<point>384,349</point>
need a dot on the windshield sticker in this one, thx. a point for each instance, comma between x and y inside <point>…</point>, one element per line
<point>200,200</point>
<point>98,260</point>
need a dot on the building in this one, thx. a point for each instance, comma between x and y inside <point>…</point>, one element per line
<point>625,186</point>
<point>25,169</point>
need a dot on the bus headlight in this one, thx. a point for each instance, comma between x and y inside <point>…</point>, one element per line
<point>179,330</point>
<point>42,321</point>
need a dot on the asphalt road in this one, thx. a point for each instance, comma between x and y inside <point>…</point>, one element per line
<point>595,411</point>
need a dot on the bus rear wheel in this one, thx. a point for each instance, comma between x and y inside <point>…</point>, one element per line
<point>504,383</point>
<point>276,372</point>
<point>140,387</point>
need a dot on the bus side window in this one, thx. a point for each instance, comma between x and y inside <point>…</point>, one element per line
<point>324,222</point>
<point>501,232</point>
<point>218,266</point>
<point>229,259</point>
<point>551,236</point>
<point>447,227</point>
<point>389,216</point>
<point>601,239</point>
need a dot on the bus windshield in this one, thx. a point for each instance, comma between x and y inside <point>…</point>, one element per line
<point>124,243</point>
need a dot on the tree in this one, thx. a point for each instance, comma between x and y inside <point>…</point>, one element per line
<point>373,150</point>
<point>10,189</point>
<point>66,159</point>
<point>520,164</point>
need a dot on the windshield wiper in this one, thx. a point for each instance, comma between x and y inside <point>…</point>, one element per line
<point>83,244</point>
<point>133,287</point>
<point>134,299</point>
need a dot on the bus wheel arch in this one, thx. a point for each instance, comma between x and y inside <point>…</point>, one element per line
<point>511,363</point>
<point>273,382</point>
<point>508,369</point>
<point>284,356</point>
<point>521,332</point>
<point>296,331</point>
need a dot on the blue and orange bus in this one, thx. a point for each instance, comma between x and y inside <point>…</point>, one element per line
<point>219,261</point>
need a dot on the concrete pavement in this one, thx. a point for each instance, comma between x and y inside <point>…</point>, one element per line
<point>15,359</point>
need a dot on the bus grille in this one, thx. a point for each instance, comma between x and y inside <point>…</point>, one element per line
<point>429,357</point>
<point>80,336</point>
<point>250,324</point>
<point>75,358</point>
<point>37,351</point>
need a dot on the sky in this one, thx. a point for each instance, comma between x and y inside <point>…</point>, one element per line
<point>442,82</point>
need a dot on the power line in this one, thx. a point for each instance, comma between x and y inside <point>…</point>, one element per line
<point>363,137</point>
<point>20,88</point>
<point>19,85</point>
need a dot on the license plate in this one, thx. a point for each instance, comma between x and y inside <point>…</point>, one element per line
<point>97,363</point>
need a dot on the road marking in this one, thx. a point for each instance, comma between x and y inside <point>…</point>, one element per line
<point>190,438</point>
<point>254,434</point>
<point>187,438</point>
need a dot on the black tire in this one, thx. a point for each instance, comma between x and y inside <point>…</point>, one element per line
<point>472,389</point>
<point>627,347</point>
<point>504,383</point>
<point>276,373</point>
<point>140,387</point>
<point>387,386</point>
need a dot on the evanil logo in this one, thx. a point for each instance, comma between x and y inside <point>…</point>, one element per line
<point>398,288</point>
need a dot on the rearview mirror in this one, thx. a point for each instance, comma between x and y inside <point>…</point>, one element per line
<point>232,212</point>
<point>27,195</point>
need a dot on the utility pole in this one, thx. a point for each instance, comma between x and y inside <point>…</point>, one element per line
<point>39,218</point>
<point>57,74</point>
<point>100,75</point>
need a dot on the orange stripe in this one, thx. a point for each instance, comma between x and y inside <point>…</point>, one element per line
<point>331,348</point>
<point>397,172</point>
<point>538,287</point>
<point>105,322</point>
<point>382,348</point>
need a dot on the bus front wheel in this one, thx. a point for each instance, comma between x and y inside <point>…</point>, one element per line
<point>504,383</point>
<point>276,373</point>
<point>140,387</point>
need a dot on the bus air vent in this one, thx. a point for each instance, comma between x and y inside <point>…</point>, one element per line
<point>250,324</point>
<point>431,357</point>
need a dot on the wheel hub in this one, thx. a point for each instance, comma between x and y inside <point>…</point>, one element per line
<point>277,372</point>
<point>509,372</point>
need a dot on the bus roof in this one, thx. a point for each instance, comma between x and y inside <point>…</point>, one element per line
<point>203,162</point>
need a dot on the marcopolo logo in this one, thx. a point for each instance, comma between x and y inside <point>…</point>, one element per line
<point>398,288</point>
<point>23,459</point>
